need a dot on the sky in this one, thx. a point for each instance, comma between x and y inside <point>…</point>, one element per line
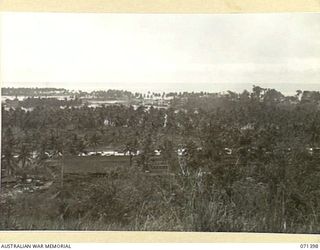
<point>160,52</point>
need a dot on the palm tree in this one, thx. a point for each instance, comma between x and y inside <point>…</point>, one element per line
<point>94,141</point>
<point>258,92</point>
<point>7,151</point>
<point>80,147</point>
<point>132,147</point>
<point>41,148</point>
<point>8,160</point>
<point>24,155</point>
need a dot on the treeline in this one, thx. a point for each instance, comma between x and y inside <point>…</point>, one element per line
<point>112,94</point>
<point>33,91</point>
<point>31,102</point>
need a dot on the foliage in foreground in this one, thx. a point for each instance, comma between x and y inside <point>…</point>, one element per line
<point>139,202</point>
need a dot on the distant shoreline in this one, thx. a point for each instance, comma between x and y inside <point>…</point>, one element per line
<point>285,88</point>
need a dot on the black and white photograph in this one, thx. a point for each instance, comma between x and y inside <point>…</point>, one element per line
<point>160,122</point>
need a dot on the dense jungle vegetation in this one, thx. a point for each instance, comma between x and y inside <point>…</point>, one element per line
<point>250,162</point>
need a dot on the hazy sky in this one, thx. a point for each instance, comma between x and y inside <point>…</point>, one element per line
<point>161,51</point>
